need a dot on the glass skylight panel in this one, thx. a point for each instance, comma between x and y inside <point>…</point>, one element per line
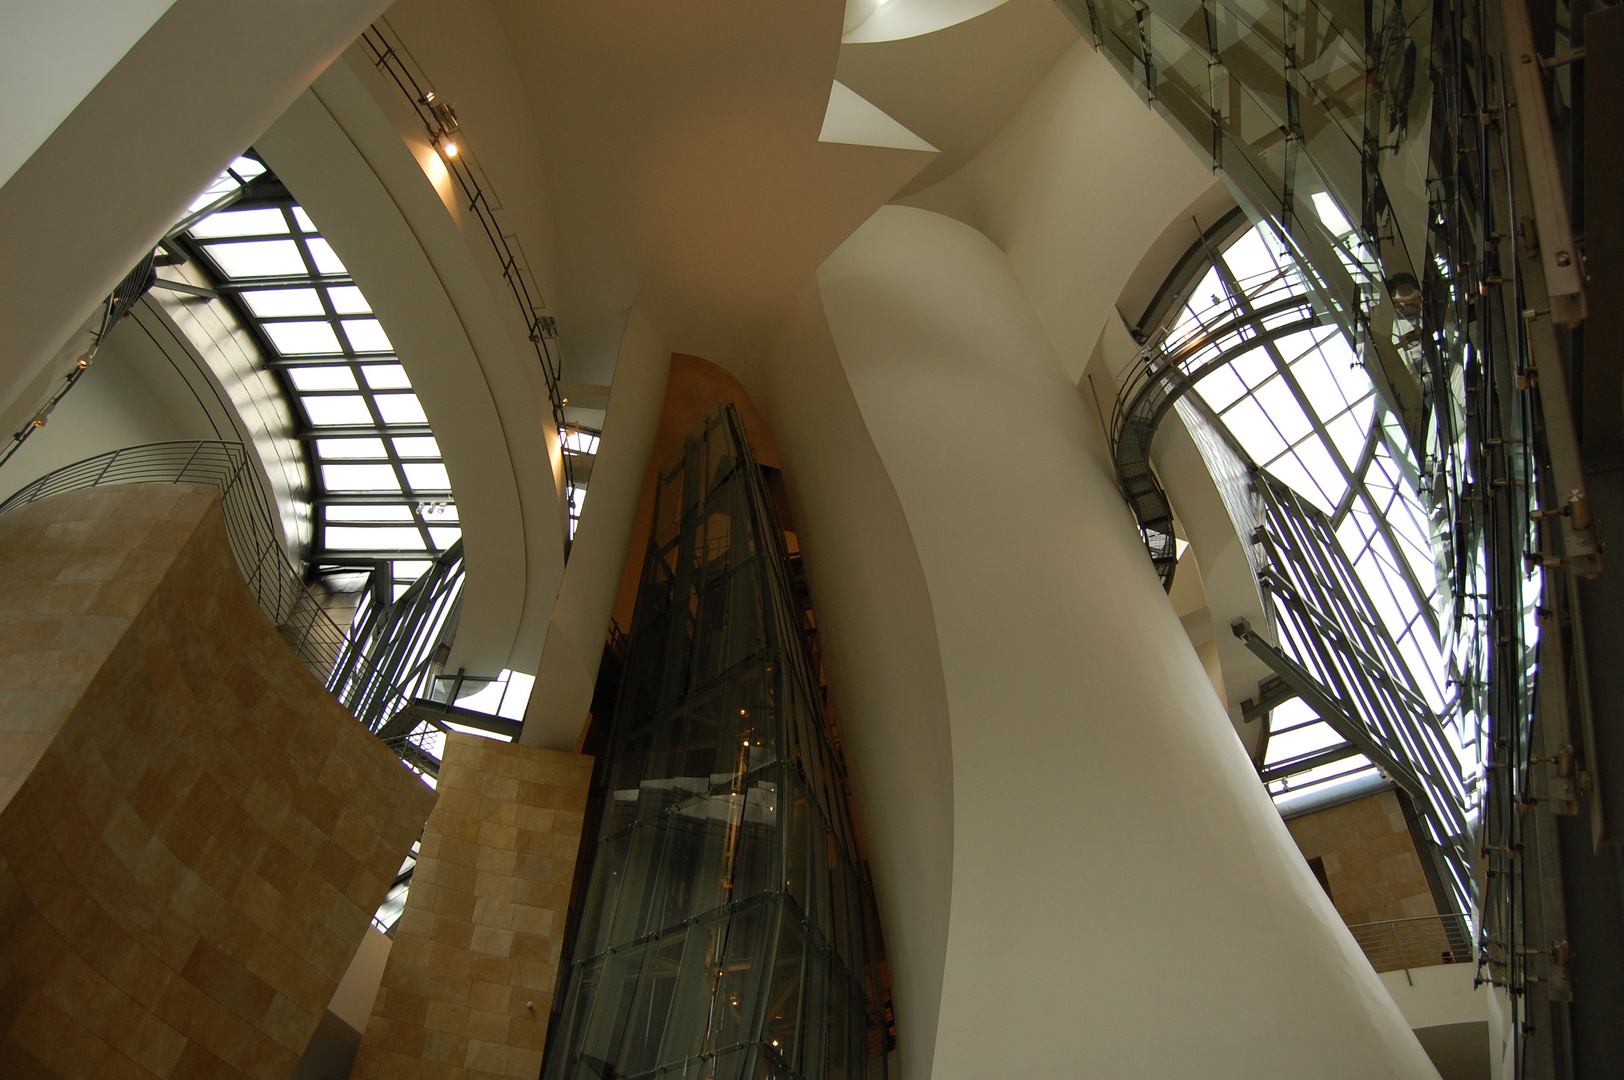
<point>356,382</point>
<point>335,411</point>
<point>367,336</point>
<point>350,449</point>
<point>347,300</point>
<point>374,512</point>
<point>257,258</point>
<point>360,477</point>
<point>582,442</point>
<point>427,476</point>
<point>264,222</point>
<point>386,377</point>
<point>374,538</point>
<point>302,338</point>
<point>400,409</point>
<point>1302,406</point>
<point>282,303</point>
<point>321,253</point>
<point>322,378</point>
<point>417,446</point>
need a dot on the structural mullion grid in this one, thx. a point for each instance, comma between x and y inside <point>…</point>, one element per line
<point>365,391</point>
<point>1283,370</point>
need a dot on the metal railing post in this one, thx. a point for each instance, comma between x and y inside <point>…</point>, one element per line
<point>111,458</point>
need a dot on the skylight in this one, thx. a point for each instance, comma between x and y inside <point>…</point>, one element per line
<point>382,490</point>
<point>1297,398</point>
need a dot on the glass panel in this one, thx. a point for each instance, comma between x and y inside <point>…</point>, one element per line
<point>367,336</point>
<point>386,376</point>
<point>347,300</point>
<point>278,303</point>
<point>400,409</point>
<point>336,377</point>
<point>350,448</point>
<point>359,478</point>
<point>302,338</point>
<point>321,253</point>
<point>427,476</point>
<point>332,411</point>
<point>266,222</point>
<point>380,538</point>
<point>417,446</point>
<point>444,537</point>
<point>257,258</point>
<point>396,512</point>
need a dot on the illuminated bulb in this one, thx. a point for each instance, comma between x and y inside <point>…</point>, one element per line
<point>450,149</point>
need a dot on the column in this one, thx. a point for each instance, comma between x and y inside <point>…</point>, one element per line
<point>580,621</point>
<point>1125,900</point>
<point>469,982</point>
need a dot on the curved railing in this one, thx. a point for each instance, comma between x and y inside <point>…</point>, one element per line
<point>1166,373</point>
<point>270,575</point>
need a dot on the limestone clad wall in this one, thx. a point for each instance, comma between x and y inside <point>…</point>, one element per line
<point>193,833</point>
<point>469,983</point>
<point>1371,866</point>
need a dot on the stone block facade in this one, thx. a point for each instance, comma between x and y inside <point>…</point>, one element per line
<point>1371,866</point>
<point>193,833</point>
<point>470,979</point>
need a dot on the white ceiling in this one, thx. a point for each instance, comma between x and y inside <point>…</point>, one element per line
<point>667,155</point>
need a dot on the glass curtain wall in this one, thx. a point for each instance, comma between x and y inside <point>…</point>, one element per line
<point>727,926</point>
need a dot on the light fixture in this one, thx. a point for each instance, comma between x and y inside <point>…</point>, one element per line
<point>450,148</point>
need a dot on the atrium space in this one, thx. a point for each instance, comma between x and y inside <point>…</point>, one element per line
<point>847,540</point>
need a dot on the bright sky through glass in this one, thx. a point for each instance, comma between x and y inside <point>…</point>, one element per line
<point>382,489</point>
<point>1298,400</point>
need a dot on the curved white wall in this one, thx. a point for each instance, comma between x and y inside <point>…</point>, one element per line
<point>1125,901</point>
<point>1075,190</point>
<point>341,157</point>
<point>878,635</point>
<point>196,88</point>
<point>568,673</point>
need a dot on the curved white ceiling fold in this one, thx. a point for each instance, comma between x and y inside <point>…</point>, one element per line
<point>854,120</point>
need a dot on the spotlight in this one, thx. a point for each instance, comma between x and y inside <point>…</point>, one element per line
<point>450,148</point>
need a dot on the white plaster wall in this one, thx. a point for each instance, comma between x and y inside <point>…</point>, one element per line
<point>52,55</point>
<point>1125,901</point>
<point>878,635</point>
<point>558,706</point>
<point>1075,190</point>
<point>341,157</point>
<point>113,175</point>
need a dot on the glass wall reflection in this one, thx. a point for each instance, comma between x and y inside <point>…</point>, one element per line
<point>727,928</point>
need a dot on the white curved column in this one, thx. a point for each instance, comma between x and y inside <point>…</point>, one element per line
<point>586,599</point>
<point>878,635</point>
<point>1125,901</point>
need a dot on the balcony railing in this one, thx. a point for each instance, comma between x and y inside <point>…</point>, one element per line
<point>1423,941</point>
<point>270,575</point>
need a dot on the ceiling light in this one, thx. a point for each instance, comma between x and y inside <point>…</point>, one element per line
<point>450,148</point>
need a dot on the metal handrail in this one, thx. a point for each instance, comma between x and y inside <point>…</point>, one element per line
<point>1416,942</point>
<point>266,569</point>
